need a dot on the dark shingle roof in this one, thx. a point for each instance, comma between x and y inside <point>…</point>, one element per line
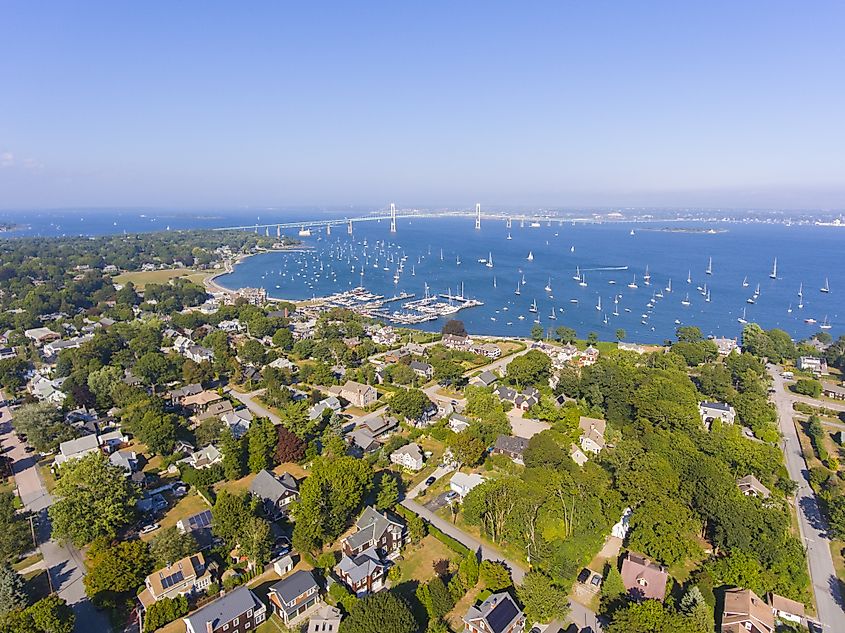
<point>225,609</point>
<point>294,585</point>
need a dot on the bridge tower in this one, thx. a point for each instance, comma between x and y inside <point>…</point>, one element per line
<point>509,222</point>
<point>328,229</point>
<point>256,229</point>
<point>278,231</point>
<point>349,228</point>
<point>478,215</point>
<point>266,231</point>
<point>392,218</point>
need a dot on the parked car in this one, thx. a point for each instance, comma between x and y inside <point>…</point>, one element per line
<point>451,495</point>
<point>584,575</point>
<point>595,581</point>
<point>152,527</point>
<point>430,481</point>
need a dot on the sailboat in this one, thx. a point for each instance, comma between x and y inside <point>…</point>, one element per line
<point>583,282</point>
<point>533,307</point>
<point>774,273</point>
<point>745,282</point>
<point>577,276</point>
<point>709,270</point>
<point>685,301</point>
<point>689,276</point>
<point>707,298</point>
<point>616,305</point>
<point>494,282</point>
<point>801,296</point>
<point>517,291</point>
<point>530,257</point>
<point>509,236</point>
<point>826,288</point>
<point>489,263</point>
<point>548,287</point>
<point>598,305</point>
<point>413,271</point>
<point>647,277</point>
<point>825,324</point>
<point>742,318</point>
<point>633,283</point>
<point>571,249</point>
<point>441,254</point>
<point>458,260</point>
<point>553,316</point>
<point>789,309</point>
<point>669,285</point>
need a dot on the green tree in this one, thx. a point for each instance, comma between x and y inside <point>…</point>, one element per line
<point>153,368</point>
<point>650,616</point>
<point>612,590</point>
<point>163,612</point>
<point>565,334</point>
<point>52,615</point>
<point>695,608</point>
<point>14,529</point>
<point>170,545</point>
<point>664,529</point>
<point>283,338</point>
<point>233,456</point>
<point>261,442</point>
<point>158,431</point>
<point>621,334</point>
<point>541,599</point>
<point>12,594</point>
<point>115,568</point>
<point>388,492</point>
<point>416,529</point>
<point>94,499</point>
<point>467,448</point>
<point>229,515</point>
<point>537,332</point>
<point>384,612</point>
<point>495,575</point>
<point>468,569</point>
<point>255,540</point>
<point>409,404</point>
<point>252,352</point>
<point>808,387</point>
<point>532,368</point>
<point>440,601</point>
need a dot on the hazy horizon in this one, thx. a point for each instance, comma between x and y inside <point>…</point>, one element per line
<point>197,107</point>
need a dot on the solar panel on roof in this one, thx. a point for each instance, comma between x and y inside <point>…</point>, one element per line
<point>201,520</point>
<point>501,615</point>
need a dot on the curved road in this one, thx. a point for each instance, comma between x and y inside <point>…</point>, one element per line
<point>812,525</point>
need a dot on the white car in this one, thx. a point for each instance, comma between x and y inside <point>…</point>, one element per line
<point>152,527</point>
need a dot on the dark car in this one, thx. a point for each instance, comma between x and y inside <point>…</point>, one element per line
<point>584,575</point>
<point>430,481</point>
<point>572,628</point>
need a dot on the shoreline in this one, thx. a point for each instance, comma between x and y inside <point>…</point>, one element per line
<point>214,287</point>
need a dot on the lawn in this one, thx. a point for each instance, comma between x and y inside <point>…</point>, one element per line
<point>142,278</point>
<point>188,505</point>
<point>417,561</point>
<point>510,347</point>
<point>47,474</point>
<point>243,484</point>
<point>29,560</point>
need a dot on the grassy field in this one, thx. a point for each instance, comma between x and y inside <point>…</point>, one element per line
<point>188,505</point>
<point>243,484</point>
<point>141,279</point>
<point>418,560</point>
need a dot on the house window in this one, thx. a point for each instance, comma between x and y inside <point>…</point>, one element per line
<point>225,627</point>
<point>236,622</point>
<point>249,613</point>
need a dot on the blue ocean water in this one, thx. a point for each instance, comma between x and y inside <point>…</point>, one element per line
<point>604,253</point>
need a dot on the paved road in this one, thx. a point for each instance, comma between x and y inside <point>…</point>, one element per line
<point>249,399</point>
<point>827,404</point>
<point>64,563</point>
<point>812,525</point>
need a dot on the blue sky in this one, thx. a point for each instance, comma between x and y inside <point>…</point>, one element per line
<point>517,104</point>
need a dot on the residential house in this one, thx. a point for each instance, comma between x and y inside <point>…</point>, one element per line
<point>643,579</point>
<point>578,456</point>
<point>384,336</point>
<point>284,363</point>
<point>184,577</point>
<point>41,335</point>
<point>292,596</point>
<point>127,460</point>
<point>592,434</point>
<point>423,370</point>
<point>462,483</point>
<point>363,573</point>
<point>199,354</point>
<point>588,357</point>
<point>833,391</point>
<point>214,410</point>
<point>459,423</point>
<point>275,493</point>
<point>47,390</point>
<point>786,609</point>
<point>631,347</point>
<point>361,442</point>
<point>238,611</point>
<point>488,350</point>
<point>54,347</point>
<point>523,400</point>
<point>237,422</point>
<point>710,411</point>
<point>751,486</point>
<point>7,352</point>
<point>497,614</point>
<point>455,341</point>
<point>230,326</point>
<point>357,394</point>
<point>485,379</point>
<point>199,402</point>
<point>326,619</point>
<point>375,530</point>
<point>726,345</point>
<point>331,404</point>
<point>409,456</point>
<point>77,448</point>
<point>112,440</point>
<point>203,458</point>
<point>177,396</point>
<point>512,446</point>
<point>381,426</point>
<point>812,363</point>
<point>745,612</point>
<point>283,565</point>
<point>199,526</point>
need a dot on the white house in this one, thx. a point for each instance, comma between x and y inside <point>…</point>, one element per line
<point>462,483</point>
<point>710,411</point>
<point>592,434</point>
<point>620,529</point>
<point>409,456</point>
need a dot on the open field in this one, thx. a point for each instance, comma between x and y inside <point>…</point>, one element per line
<point>142,278</point>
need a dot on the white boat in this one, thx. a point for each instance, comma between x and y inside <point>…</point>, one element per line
<point>774,273</point>
<point>709,270</point>
<point>810,320</point>
<point>517,291</point>
<point>633,283</point>
<point>530,257</point>
<point>745,282</point>
<point>825,325</point>
<point>509,236</point>
<point>826,288</point>
<point>632,232</point>
<point>571,249</point>
<point>707,298</point>
<point>789,309</point>
<point>553,316</point>
<point>669,285</point>
<point>489,263</point>
<point>534,225</point>
<point>647,277</point>
<point>598,305</point>
<point>577,276</point>
<point>742,318</point>
<point>583,282</point>
<point>689,276</point>
<point>494,282</point>
<point>548,287</point>
<point>685,301</point>
<point>521,317</point>
<point>533,307</point>
<point>458,260</point>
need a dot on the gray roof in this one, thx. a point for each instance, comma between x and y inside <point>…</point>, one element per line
<point>371,525</point>
<point>290,588</point>
<point>359,567</point>
<point>511,444</point>
<point>720,406</point>
<point>271,488</point>
<point>418,366</point>
<point>225,609</point>
<point>487,377</point>
<point>79,445</point>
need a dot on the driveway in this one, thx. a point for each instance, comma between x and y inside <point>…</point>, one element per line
<point>811,523</point>
<point>64,564</point>
<point>249,399</point>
